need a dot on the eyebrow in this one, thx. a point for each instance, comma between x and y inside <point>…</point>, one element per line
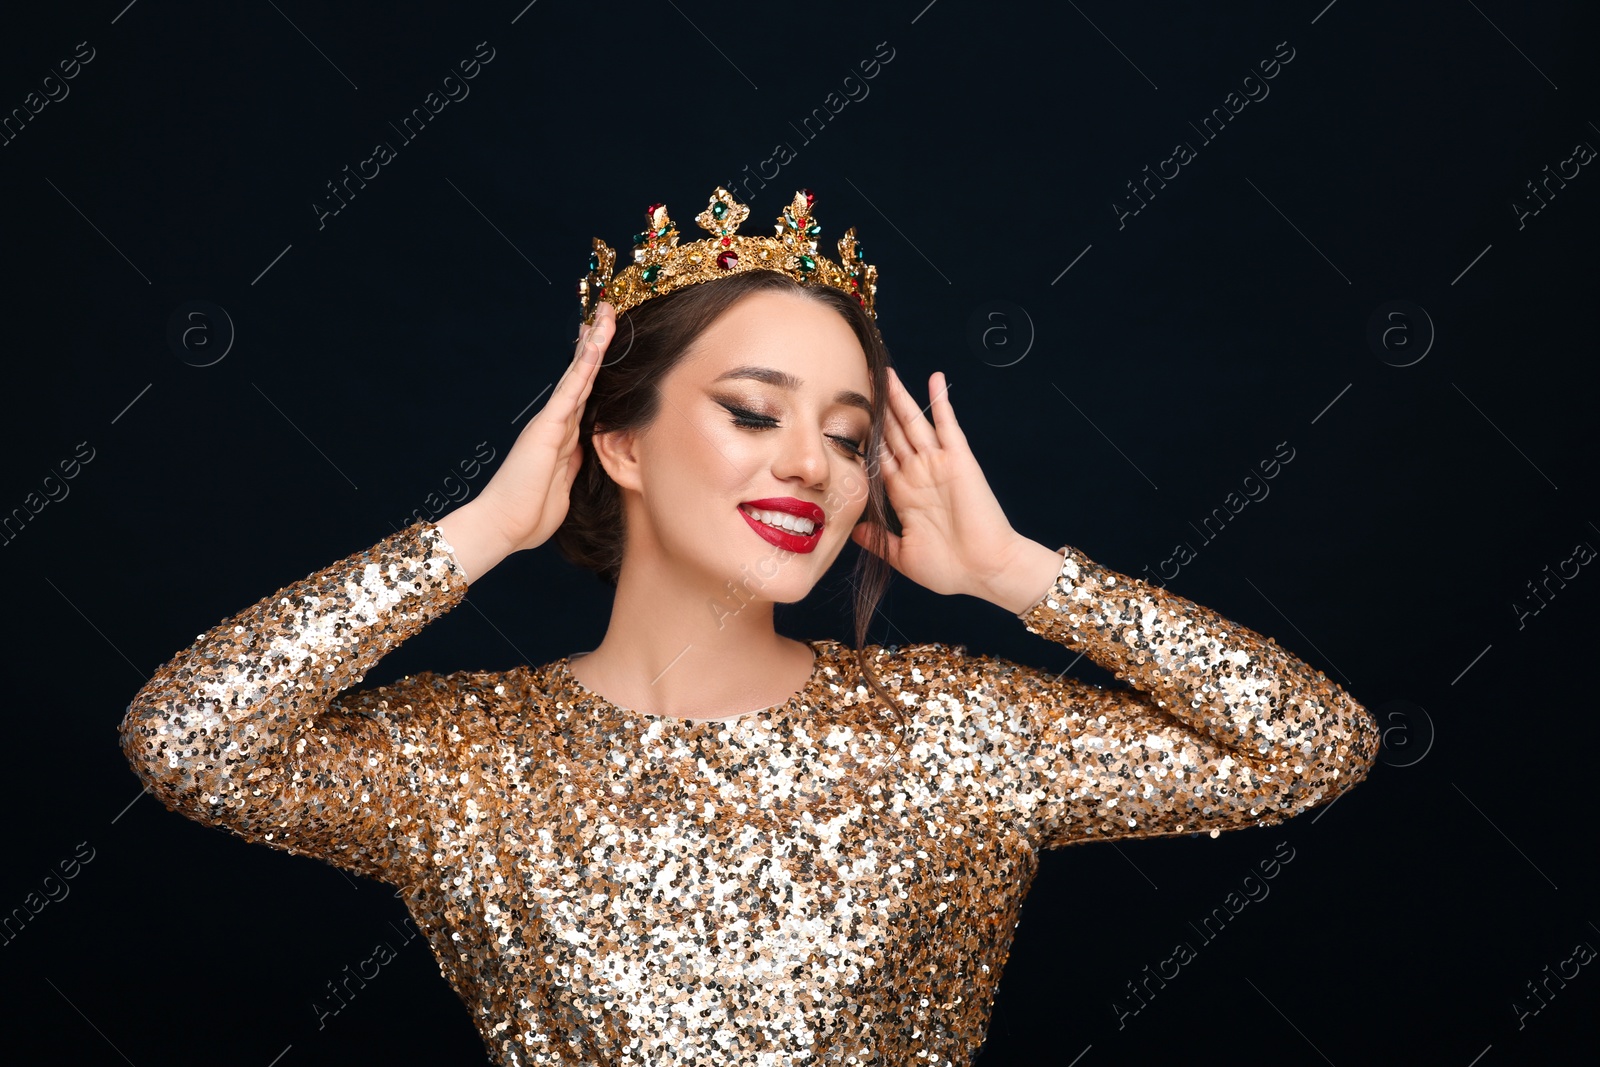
<point>785,380</point>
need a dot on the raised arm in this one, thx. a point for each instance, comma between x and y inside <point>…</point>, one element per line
<point>1221,729</point>
<point>245,729</point>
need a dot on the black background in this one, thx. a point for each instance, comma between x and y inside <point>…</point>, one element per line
<point>1114,405</point>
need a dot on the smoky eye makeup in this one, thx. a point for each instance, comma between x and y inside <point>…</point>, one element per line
<point>746,415</point>
<point>746,412</point>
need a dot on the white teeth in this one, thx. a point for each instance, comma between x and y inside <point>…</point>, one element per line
<point>781,519</point>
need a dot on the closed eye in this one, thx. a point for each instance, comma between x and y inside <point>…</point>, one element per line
<point>750,420</point>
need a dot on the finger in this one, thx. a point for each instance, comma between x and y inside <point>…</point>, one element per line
<point>586,329</point>
<point>581,370</point>
<point>894,437</point>
<point>909,413</point>
<point>944,416</point>
<point>604,326</point>
<point>601,329</point>
<point>573,387</point>
<point>887,466</point>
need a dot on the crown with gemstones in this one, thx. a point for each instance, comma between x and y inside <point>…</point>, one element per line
<point>661,265</point>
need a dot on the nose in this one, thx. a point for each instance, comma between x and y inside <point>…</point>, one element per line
<point>802,455</point>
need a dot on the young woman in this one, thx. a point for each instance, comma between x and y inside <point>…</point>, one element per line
<point>704,842</point>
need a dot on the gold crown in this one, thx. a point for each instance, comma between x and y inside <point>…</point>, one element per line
<point>661,265</point>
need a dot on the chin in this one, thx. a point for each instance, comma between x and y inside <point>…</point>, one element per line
<point>782,580</point>
<point>767,572</point>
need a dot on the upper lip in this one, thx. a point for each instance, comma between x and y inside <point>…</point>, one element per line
<point>803,508</point>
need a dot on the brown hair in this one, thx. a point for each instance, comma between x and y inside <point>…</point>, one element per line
<point>648,342</point>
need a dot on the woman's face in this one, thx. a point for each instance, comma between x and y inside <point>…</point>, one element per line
<point>770,404</point>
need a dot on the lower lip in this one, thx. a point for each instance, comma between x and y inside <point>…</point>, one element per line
<point>783,538</point>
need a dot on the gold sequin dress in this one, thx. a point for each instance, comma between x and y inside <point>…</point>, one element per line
<point>800,885</point>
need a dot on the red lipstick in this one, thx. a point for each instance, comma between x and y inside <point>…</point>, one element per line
<point>794,542</point>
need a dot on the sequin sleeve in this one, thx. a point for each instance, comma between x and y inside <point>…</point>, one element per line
<point>246,729</point>
<point>1221,727</point>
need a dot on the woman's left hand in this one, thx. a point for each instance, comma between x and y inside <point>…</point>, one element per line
<point>955,537</point>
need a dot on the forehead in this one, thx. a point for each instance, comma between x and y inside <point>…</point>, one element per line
<point>788,332</point>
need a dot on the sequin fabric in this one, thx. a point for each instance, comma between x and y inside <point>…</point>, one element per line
<point>809,884</point>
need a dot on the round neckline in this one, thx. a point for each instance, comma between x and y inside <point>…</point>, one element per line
<point>818,648</point>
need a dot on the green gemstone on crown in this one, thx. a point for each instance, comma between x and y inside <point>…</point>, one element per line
<point>719,209</point>
<point>807,263</point>
<point>651,273</point>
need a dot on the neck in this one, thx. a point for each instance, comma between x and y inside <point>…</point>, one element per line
<point>682,643</point>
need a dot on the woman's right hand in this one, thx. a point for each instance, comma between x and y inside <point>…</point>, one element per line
<point>527,498</point>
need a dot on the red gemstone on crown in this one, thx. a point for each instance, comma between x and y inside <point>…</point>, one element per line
<point>809,195</point>
<point>726,260</point>
<point>726,241</point>
<point>652,209</point>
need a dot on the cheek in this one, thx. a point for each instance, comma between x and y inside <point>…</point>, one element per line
<point>726,459</point>
<point>848,499</point>
<point>709,458</point>
<point>858,506</point>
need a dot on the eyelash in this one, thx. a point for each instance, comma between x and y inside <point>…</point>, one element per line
<point>750,420</point>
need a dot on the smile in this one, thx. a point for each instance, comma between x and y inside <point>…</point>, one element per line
<point>784,525</point>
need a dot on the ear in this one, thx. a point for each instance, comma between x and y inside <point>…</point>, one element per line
<point>618,454</point>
